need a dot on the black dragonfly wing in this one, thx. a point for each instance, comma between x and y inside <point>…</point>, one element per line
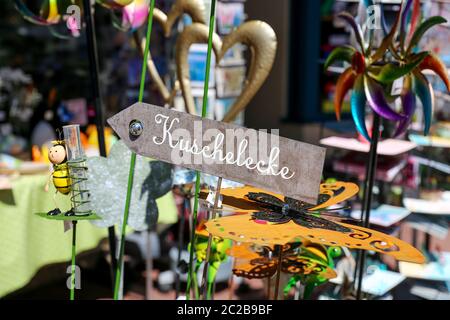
<point>265,199</point>
<point>313,222</point>
<point>300,206</point>
<point>270,216</point>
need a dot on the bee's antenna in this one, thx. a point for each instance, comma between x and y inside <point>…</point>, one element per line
<point>59,133</point>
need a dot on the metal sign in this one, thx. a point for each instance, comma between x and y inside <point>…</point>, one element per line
<point>258,158</point>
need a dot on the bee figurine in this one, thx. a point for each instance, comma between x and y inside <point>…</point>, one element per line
<point>60,176</point>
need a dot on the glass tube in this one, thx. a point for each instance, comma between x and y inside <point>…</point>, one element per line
<point>73,142</point>
<point>77,168</point>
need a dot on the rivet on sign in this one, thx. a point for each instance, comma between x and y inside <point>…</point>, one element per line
<point>136,128</point>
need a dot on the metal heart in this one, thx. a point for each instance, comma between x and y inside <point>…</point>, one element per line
<point>196,10</point>
<point>257,35</point>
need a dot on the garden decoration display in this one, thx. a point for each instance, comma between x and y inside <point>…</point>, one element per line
<point>320,256</point>
<point>261,222</point>
<point>218,255</point>
<point>145,129</point>
<point>69,177</point>
<point>275,219</point>
<point>373,70</point>
<point>259,262</point>
<point>53,13</point>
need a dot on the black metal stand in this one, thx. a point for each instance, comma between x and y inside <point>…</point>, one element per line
<point>361,218</point>
<point>367,198</point>
<point>99,114</point>
<point>277,281</point>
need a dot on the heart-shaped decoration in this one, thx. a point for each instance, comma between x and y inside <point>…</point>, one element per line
<point>196,10</point>
<point>257,35</point>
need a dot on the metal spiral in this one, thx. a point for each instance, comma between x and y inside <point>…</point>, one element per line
<point>80,194</point>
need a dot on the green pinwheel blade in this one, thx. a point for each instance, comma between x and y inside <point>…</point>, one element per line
<point>344,53</point>
<point>391,71</point>
<point>422,28</point>
<point>377,101</point>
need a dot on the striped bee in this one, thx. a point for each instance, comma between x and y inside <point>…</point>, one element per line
<point>60,176</point>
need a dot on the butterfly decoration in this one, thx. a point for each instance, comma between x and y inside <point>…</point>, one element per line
<point>320,255</point>
<point>302,213</point>
<point>372,71</point>
<point>268,207</point>
<point>256,262</point>
<point>283,226</point>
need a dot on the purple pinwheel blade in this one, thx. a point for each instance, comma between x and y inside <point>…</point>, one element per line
<point>377,101</point>
<point>409,106</point>
<point>356,28</point>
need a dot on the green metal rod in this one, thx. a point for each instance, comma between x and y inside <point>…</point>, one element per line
<point>210,289</point>
<point>133,157</point>
<point>212,19</point>
<point>74,253</point>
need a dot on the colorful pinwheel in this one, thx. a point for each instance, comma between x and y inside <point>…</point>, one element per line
<point>372,72</point>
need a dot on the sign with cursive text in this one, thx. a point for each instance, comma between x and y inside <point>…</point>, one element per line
<point>254,157</point>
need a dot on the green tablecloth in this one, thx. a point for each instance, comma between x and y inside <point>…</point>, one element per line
<point>28,242</point>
